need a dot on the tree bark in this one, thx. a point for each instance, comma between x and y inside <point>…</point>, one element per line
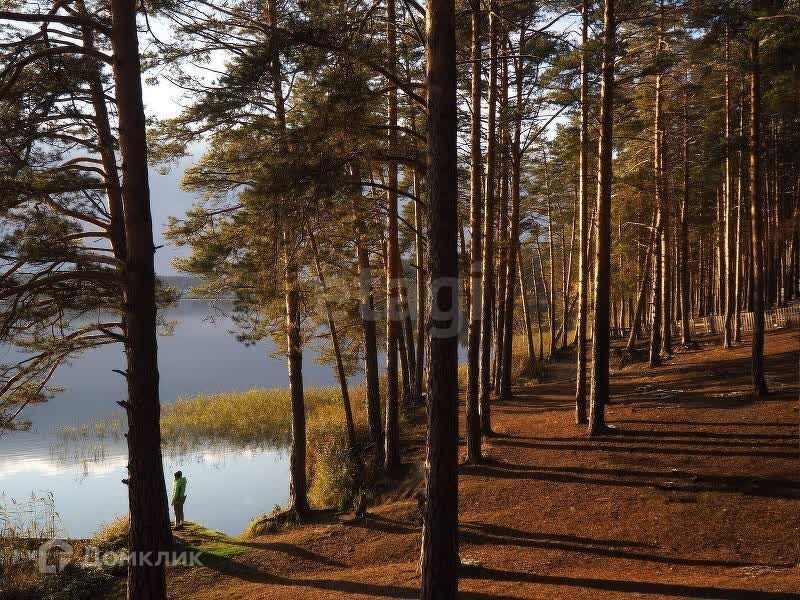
<point>421,291</point>
<point>566,267</point>
<point>440,523</point>
<point>740,208</point>
<point>683,232</point>
<point>602,285</point>
<point>513,238</point>
<point>526,309</point>
<point>298,492</point>
<point>546,294</point>
<point>147,495</point>
<point>658,250</point>
<point>368,326</point>
<point>729,249</point>
<point>402,340</point>
<point>473,419</point>
<point>408,355</point>
<point>464,260</point>
<point>538,311</point>
<point>756,220</point>
<point>298,484</point>
<point>551,299</point>
<point>502,249</point>
<point>393,333</point>
<point>666,272</point>
<point>350,429</point>
<point>488,300</point>
<point>666,285</point>
<point>719,284</point>
<point>656,312</point>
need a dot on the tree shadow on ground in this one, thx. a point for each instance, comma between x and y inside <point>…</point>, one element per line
<point>682,481</point>
<point>252,574</point>
<point>786,424</point>
<point>618,436</point>
<point>607,445</point>
<point>625,586</point>
<point>492,535</point>
<point>294,551</point>
<point>378,523</point>
<point>502,531</point>
<point>730,373</point>
<point>249,573</point>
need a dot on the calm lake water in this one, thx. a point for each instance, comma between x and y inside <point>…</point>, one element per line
<point>227,487</point>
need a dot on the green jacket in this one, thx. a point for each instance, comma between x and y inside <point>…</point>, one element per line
<point>179,490</point>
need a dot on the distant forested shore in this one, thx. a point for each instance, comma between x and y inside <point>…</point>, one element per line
<point>188,288</point>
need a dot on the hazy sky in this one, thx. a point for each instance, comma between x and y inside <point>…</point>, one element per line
<point>166,197</point>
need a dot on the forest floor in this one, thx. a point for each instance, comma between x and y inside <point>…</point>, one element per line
<point>695,494</point>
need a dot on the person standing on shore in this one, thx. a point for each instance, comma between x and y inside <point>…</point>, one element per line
<point>178,497</point>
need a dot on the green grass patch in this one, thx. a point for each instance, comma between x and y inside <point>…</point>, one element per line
<point>213,546</point>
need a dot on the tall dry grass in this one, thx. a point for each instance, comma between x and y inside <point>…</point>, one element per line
<point>24,525</point>
<point>262,417</point>
<point>522,371</point>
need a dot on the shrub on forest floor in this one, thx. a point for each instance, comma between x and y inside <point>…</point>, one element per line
<point>523,371</point>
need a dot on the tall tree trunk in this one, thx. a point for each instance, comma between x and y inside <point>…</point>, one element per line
<point>407,329</point>
<point>683,255</point>
<point>473,418</point>
<point>567,301</point>
<point>719,286</point>
<point>740,207</point>
<point>487,304</point>
<point>546,293</point>
<point>440,523</point>
<point>297,456</point>
<point>566,266</point>
<point>666,242</point>
<point>464,260</point>
<point>729,204</point>
<point>393,332</point>
<point>526,309</point>
<point>703,277</point>
<point>147,495</point>
<point>666,272</point>
<point>657,298</point>
<point>666,285</point>
<point>660,202</point>
<point>551,300</point>
<point>350,429</point>
<point>756,224</point>
<point>538,311</point>
<point>421,291</point>
<point>767,234</point>
<point>502,249</point>
<point>298,493</point>
<point>513,238</point>
<point>601,345</point>
<point>402,340</point>
<point>368,326</point>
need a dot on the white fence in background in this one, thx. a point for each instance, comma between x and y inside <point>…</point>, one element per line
<point>788,316</point>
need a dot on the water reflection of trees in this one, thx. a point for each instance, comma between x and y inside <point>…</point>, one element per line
<point>86,450</point>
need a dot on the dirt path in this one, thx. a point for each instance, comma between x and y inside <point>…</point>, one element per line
<point>695,495</point>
